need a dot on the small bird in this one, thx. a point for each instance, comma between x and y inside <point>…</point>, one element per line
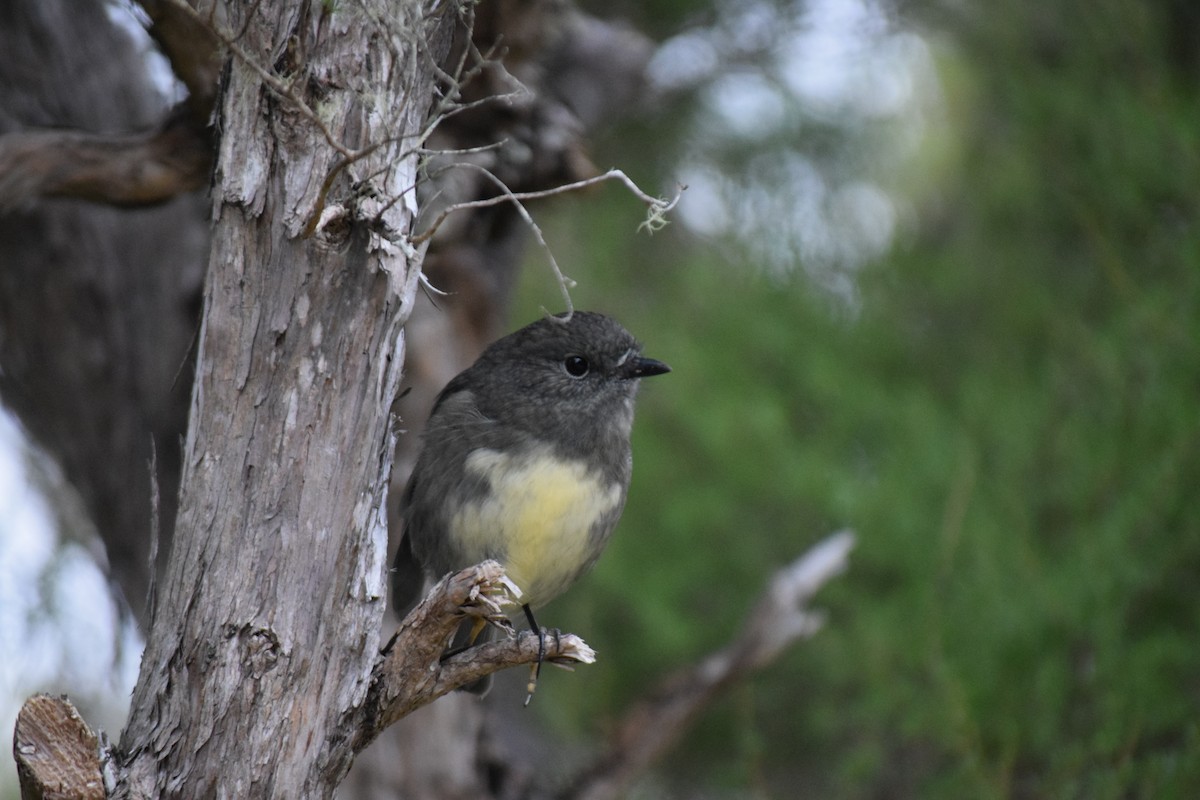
<point>526,460</point>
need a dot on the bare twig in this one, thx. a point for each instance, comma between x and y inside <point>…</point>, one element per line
<point>564,283</point>
<point>657,209</point>
<point>780,618</point>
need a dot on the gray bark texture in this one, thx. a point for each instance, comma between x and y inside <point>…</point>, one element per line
<point>267,627</point>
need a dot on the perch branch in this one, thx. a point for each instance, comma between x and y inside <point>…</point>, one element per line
<point>779,618</point>
<point>411,672</point>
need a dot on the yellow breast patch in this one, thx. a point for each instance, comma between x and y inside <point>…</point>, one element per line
<point>537,519</point>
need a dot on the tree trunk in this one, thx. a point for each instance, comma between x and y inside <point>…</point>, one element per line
<point>268,623</point>
<point>262,674</point>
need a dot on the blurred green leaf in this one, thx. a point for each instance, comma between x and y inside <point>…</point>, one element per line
<point>1008,413</point>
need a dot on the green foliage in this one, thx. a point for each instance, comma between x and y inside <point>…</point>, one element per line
<point>1010,419</point>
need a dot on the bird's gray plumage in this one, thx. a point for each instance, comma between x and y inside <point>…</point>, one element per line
<point>514,408</point>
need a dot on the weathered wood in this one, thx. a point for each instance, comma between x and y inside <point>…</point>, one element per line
<point>268,623</point>
<point>414,671</point>
<point>58,756</point>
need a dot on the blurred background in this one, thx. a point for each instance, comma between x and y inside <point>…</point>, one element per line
<point>935,277</point>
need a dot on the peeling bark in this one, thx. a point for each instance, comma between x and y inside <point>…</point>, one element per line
<point>267,629</point>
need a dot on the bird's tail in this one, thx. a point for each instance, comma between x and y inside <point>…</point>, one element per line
<point>408,579</point>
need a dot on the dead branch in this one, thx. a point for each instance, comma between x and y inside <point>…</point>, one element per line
<point>657,207</point>
<point>779,618</point>
<point>147,168</point>
<point>58,756</point>
<point>411,672</point>
<point>133,170</point>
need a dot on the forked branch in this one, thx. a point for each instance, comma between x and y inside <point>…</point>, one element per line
<point>411,672</point>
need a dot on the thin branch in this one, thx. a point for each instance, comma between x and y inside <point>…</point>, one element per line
<point>565,284</point>
<point>464,151</point>
<point>657,210</point>
<point>454,109</point>
<point>657,207</point>
<point>779,618</point>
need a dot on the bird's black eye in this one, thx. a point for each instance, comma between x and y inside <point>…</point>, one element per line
<point>576,366</point>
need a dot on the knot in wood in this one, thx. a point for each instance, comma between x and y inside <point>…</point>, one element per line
<point>260,648</point>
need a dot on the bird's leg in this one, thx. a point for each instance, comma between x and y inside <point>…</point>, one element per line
<point>533,626</point>
<point>536,671</point>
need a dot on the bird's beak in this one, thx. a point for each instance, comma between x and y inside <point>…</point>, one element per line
<point>639,367</point>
